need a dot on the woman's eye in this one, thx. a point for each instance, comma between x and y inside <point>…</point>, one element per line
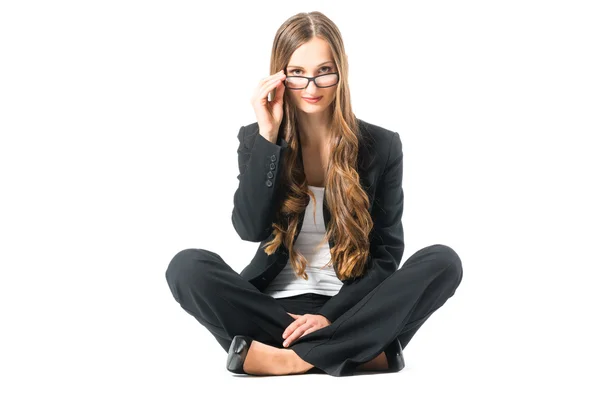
<point>327,69</point>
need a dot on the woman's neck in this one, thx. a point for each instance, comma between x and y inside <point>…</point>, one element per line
<point>315,130</point>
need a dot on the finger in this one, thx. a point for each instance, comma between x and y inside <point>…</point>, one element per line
<point>295,335</point>
<point>272,80</point>
<point>291,328</point>
<point>263,91</point>
<point>279,93</point>
<point>306,332</point>
<point>268,87</point>
<point>266,78</point>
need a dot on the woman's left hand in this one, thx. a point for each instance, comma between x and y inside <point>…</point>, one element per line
<point>303,325</point>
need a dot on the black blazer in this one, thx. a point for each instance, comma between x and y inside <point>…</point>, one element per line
<point>259,195</point>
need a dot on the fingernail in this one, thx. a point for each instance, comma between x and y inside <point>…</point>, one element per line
<point>285,344</point>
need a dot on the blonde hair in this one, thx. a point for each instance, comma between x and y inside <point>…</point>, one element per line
<point>351,221</point>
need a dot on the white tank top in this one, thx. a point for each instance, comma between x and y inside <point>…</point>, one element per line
<point>320,280</point>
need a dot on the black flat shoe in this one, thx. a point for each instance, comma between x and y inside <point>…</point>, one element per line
<point>238,350</point>
<point>394,356</point>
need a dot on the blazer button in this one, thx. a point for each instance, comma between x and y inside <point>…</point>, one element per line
<point>269,183</point>
<point>273,158</point>
<point>272,166</point>
<point>270,175</point>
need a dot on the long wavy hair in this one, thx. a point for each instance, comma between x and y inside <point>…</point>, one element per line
<point>348,203</point>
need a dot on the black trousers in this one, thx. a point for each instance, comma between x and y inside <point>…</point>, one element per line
<point>226,304</point>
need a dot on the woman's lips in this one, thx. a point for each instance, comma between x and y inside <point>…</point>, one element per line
<point>312,100</point>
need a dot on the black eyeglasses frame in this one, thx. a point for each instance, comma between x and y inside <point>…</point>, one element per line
<point>309,79</point>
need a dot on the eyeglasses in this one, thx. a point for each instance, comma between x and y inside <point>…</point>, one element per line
<point>301,82</point>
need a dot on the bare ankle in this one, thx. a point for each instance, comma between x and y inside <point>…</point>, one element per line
<point>297,364</point>
<point>263,359</point>
<point>378,363</point>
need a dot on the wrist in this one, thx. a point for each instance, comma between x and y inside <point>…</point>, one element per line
<point>271,137</point>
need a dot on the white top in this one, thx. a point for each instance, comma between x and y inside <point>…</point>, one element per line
<point>312,244</point>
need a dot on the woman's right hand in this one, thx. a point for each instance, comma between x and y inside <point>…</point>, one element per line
<point>269,113</point>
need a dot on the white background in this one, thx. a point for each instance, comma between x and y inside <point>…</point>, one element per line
<point>118,124</point>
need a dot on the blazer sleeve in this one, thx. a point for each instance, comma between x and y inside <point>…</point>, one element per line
<point>387,243</point>
<point>254,201</point>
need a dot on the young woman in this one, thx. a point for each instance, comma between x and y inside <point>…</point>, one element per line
<point>321,190</point>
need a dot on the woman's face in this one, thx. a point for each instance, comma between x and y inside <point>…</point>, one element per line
<point>313,58</point>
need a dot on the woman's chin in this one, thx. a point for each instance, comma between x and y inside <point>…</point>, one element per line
<point>312,108</point>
